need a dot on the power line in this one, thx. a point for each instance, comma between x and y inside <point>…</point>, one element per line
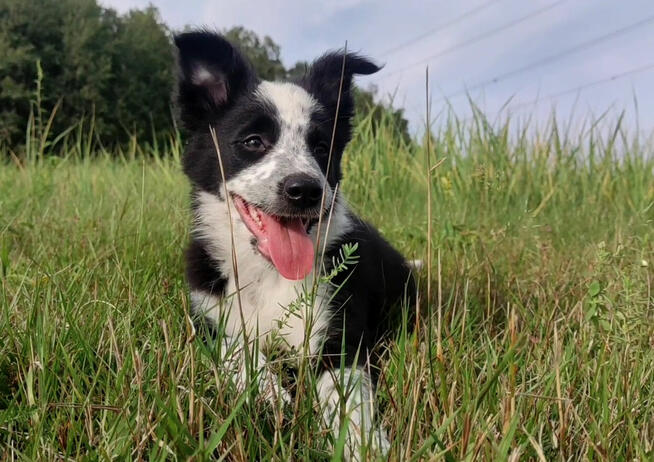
<point>594,83</point>
<point>478,38</point>
<point>440,27</point>
<point>577,89</point>
<point>551,58</point>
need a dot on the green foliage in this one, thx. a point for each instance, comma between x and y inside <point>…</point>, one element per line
<point>381,115</point>
<point>263,53</point>
<point>298,71</point>
<point>96,65</point>
<point>141,79</point>
<point>347,258</point>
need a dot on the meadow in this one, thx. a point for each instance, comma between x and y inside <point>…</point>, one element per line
<point>536,335</point>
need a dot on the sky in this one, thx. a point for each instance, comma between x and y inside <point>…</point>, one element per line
<point>463,44</point>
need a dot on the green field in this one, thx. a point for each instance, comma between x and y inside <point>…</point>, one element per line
<point>537,342</point>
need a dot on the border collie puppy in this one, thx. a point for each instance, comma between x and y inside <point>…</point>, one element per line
<point>256,249</point>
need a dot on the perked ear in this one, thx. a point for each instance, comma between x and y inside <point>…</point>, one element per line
<point>212,73</point>
<point>324,79</point>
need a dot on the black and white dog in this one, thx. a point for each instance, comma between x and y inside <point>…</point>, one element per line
<point>274,141</point>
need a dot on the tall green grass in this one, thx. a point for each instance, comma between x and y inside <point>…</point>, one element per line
<point>542,273</point>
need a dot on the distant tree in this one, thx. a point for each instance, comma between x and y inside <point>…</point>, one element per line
<point>366,106</point>
<point>95,64</point>
<point>30,32</point>
<point>263,53</point>
<point>16,68</point>
<point>142,74</point>
<point>298,71</point>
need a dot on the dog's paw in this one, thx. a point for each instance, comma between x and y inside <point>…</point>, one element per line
<point>268,384</point>
<point>359,428</point>
<point>271,389</point>
<point>380,443</point>
<point>375,441</point>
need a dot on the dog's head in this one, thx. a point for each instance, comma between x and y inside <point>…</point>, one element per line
<point>275,140</point>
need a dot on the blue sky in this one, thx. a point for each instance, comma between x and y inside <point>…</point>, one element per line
<point>305,29</point>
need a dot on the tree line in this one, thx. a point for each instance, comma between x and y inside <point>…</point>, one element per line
<point>71,62</point>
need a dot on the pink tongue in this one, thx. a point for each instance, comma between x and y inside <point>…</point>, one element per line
<point>289,246</point>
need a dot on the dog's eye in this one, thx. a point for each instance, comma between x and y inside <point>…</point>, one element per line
<point>254,143</point>
<point>321,149</point>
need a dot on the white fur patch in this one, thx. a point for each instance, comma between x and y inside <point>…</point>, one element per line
<point>293,103</point>
<point>355,389</point>
<point>201,75</point>
<point>268,383</point>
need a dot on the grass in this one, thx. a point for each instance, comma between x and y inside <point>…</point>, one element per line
<point>543,248</point>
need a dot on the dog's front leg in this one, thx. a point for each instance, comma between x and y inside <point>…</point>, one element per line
<point>347,404</point>
<point>248,366</point>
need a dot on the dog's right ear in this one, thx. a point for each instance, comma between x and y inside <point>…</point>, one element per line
<point>212,73</point>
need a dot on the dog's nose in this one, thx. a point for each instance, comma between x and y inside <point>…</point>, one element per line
<point>302,190</point>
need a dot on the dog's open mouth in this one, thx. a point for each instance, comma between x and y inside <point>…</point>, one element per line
<point>283,240</point>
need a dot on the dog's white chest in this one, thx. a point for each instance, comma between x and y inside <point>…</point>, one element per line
<point>279,312</point>
<point>279,309</point>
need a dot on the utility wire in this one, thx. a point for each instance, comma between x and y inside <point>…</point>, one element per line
<point>439,28</point>
<point>577,89</point>
<point>479,37</point>
<point>594,83</point>
<point>551,58</point>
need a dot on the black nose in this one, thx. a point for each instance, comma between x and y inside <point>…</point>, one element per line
<point>302,190</point>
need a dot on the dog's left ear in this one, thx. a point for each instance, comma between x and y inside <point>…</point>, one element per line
<point>212,73</point>
<point>323,80</point>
